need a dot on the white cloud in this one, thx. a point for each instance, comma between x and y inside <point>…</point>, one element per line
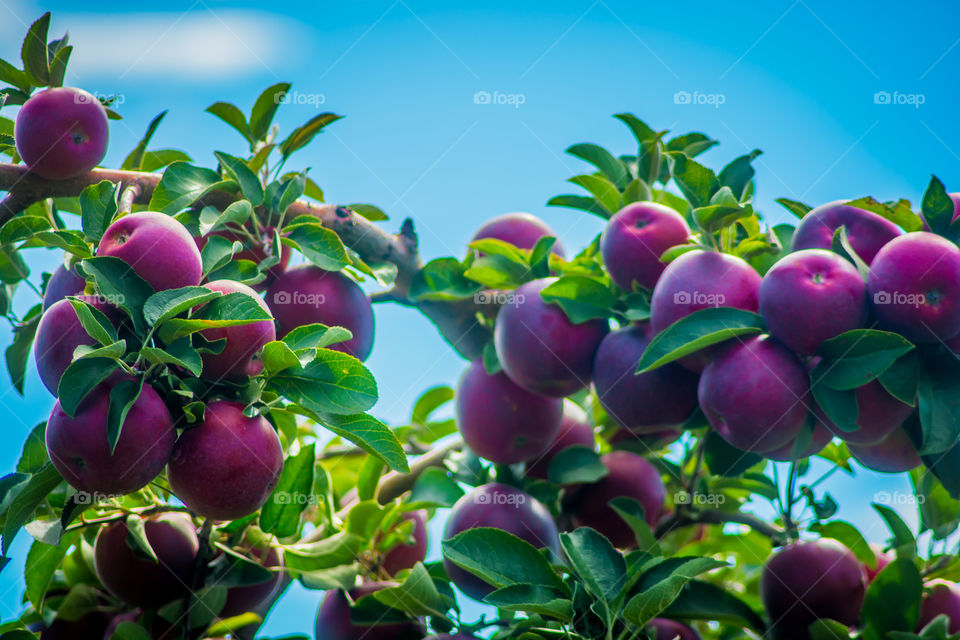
<point>200,44</point>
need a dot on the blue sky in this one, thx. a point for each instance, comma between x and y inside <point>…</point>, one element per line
<point>804,80</point>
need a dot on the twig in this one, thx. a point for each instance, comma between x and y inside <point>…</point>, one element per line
<point>715,516</point>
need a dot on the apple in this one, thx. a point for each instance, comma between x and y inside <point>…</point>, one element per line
<point>405,555</point>
<point>664,629</point>
<point>333,619</point>
<point>522,230</point>
<point>811,296</point>
<point>308,294</point>
<point>644,403</point>
<point>256,250</point>
<point>698,280</point>
<point>635,238</point>
<point>941,597</point>
<point>501,421</point>
<point>816,435</point>
<point>628,476</point>
<point>806,581</point>
<point>59,333</point>
<point>753,394</point>
<point>63,282</point>
<point>866,231</point>
<point>914,284</point>
<point>61,133</point>
<point>158,248</point>
<point>575,430</point>
<point>90,625</point>
<point>137,579</point>
<point>878,415</point>
<point>894,454</point>
<point>79,449</point>
<point>226,467</point>
<point>883,559</point>
<point>538,346</point>
<point>241,353</point>
<point>117,620</point>
<point>644,442</point>
<point>502,507</point>
<point>249,597</point>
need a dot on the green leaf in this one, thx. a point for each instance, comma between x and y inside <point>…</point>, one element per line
<point>697,331</point>
<point>795,207</point>
<point>123,395</point>
<point>119,284</point>
<point>501,559</point>
<point>641,131</point>
<point>277,356</point>
<point>42,562</point>
<point>637,191</point>
<point>899,582</point>
<point>134,161</point>
<point>603,191</point>
<point>902,536</point>
<point>333,383</point>
<point>657,595</point>
<point>230,310</point>
<point>938,404</point>
<point>428,402</point>
<point>163,305</point>
<point>234,117</point>
<point>98,206</point>
<point>528,598</point>
<point>291,189</point>
<point>160,158</point>
<point>239,172</point>
<point>603,160</point>
<point>368,211</point>
<point>321,246</point>
<point>34,52</point>
<point>902,378</point>
<point>292,495</point>
<point>80,378</point>
<point>442,279</point>
<point>856,357</point>
<point>371,435</point>
<point>179,353</point>
<point>739,173</point>
<point>937,207</point>
<point>695,181</point>
<point>939,511</point>
<point>17,354</point>
<point>417,595</point>
<point>583,203</point>
<point>595,560</point>
<point>315,336</point>
<point>94,322</point>
<point>723,459</point>
<point>34,453</point>
<point>581,298</point>
<point>265,108</point>
<point>13,76</point>
<point>705,601</point>
<point>576,464</point>
<point>692,144</point>
<point>183,184</point>
<point>840,406</point>
<point>31,496</point>
<point>631,511</point>
<point>304,134</point>
<point>851,538</point>
<point>435,488</point>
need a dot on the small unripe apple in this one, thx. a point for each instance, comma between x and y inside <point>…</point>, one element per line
<point>61,133</point>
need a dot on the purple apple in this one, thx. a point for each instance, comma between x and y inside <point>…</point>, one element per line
<point>137,579</point>
<point>61,133</point>
<point>405,555</point>
<point>698,280</point>
<point>754,393</point>
<point>914,284</point>
<point>811,296</point>
<point>575,431</point>
<point>63,282</point>
<point>522,230</point>
<point>806,581</point>
<point>90,625</point>
<point>241,353</point>
<point>501,507</point>
<point>894,454</point>
<point>818,439</point>
<point>226,467</point>
<point>628,476</point>
<point>58,336</point>
<point>79,449</point>
<point>866,231</point>
<point>308,294</point>
<point>664,629</point>
<point>501,421</point>
<point>538,346</point>
<point>878,415</point>
<point>644,442</point>
<point>249,597</point>
<point>333,618</point>
<point>634,240</point>
<point>941,598</point>
<point>158,248</point>
<point>646,402</point>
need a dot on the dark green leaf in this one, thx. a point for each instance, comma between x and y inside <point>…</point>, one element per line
<point>899,582</point>
<point>234,117</point>
<point>17,354</point>
<point>265,108</point>
<point>371,435</point>
<point>98,206</point>
<point>21,509</point>
<point>134,161</point>
<point>34,52</point>
<point>856,357</point>
<point>123,395</point>
<point>501,559</point>
<point>303,135</point>
<point>596,562</point>
<point>574,465</point>
<point>292,495</point>
<point>319,245</point>
<point>697,331</point>
<point>603,160</point>
<point>240,173</point>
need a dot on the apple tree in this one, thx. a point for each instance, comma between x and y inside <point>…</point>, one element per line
<point>629,408</point>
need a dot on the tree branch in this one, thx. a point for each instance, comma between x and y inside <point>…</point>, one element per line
<point>456,320</point>
<point>714,516</point>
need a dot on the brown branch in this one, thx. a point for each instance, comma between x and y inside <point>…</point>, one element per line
<point>685,518</point>
<point>456,320</point>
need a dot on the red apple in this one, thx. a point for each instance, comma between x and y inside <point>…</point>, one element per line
<point>58,336</point>
<point>866,231</point>
<point>333,619</point>
<point>241,353</point>
<point>664,629</point>
<point>878,415</point>
<point>157,247</point>
<point>63,282</point>
<point>249,597</point>
<point>941,598</point>
<point>522,230</point>
<point>405,555</point>
<point>575,430</point>
<point>894,454</point>
<point>634,240</point>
